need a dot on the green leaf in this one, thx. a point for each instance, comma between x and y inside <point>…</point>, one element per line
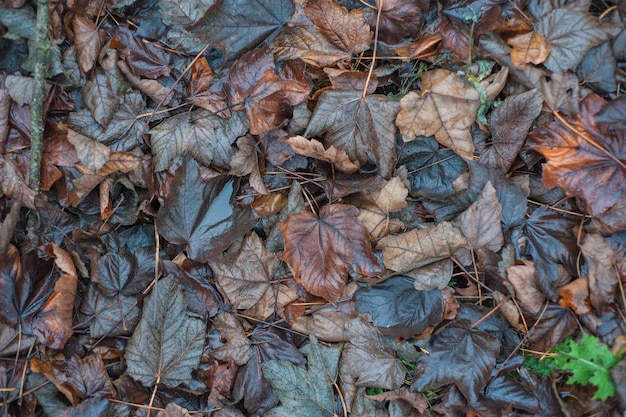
<point>305,392</point>
<point>167,344</point>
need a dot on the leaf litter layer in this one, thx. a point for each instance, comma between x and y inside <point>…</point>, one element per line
<point>323,207</point>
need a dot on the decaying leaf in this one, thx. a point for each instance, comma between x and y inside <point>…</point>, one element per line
<point>358,125</point>
<point>201,215</point>
<point>167,344</point>
<point>529,47</point>
<point>586,159</point>
<point>420,247</point>
<point>323,250</point>
<point>446,108</point>
<point>315,149</point>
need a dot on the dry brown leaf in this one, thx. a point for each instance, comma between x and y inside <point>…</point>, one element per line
<point>446,108</point>
<point>88,41</point>
<point>237,347</point>
<point>529,47</point>
<point>524,281</point>
<point>420,247</point>
<point>245,161</point>
<point>314,149</point>
<point>575,296</point>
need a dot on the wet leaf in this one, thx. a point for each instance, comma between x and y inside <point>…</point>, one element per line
<point>244,272</point>
<point>597,69</point>
<point>109,316</point>
<point>201,215</point>
<point>603,277</point>
<point>587,161</point>
<point>143,58</point>
<point>100,99</point>
<point>88,41</point>
<point>367,136</point>
<point>238,26</point>
<point>509,127</point>
<point>398,309</point>
<point>237,347</point>
<point>167,344</point>
<point>323,250</point>
<point>458,355</point>
<point>571,32</point>
<point>400,20</point>
<point>446,109</point>
<point>527,290</point>
<point>183,12</point>
<point>309,392</point>
<point>202,297</point>
<point>203,135</point>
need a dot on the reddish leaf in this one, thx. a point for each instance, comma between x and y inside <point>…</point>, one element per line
<point>144,59</point>
<point>323,250</point>
<point>587,160</point>
<point>344,29</point>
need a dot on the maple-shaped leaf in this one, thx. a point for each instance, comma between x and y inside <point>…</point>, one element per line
<point>398,309</point>
<point>305,392</point>
<point>109,316</point>
<point>238,26</point>
<point>244,272</point>
<point>458,355</point>
<point>237,347</point>
<point>400,20</point>
<point>167,344</point>
<point>267,91</point>
<point>360,125</point>
<point>202,215</point>
<point>307,43</point>
<point>480,223</point>
<point>250,384</point>
<point>587,160</point>
<point>205,136</point>
<point>571,30</point>
<point>446,108</point>
<point>183,12</point>
<point>420,247</point>
<point>202,297</point>
<point>346,30</point>
<point>88,40</point>
<point>324,250</point>
<point>509,126</point>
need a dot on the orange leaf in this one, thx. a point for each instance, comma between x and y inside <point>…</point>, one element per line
<point>529,47</point>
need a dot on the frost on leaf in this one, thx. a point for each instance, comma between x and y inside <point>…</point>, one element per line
<point>167,344</point>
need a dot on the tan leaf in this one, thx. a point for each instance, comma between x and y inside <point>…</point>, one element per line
<point>273,301</point>
<point>446,108</point>
<point>13,185</point>
<point>527,290</point>
<point>480,223</point>
<point>314,149</point>
<point>88,41</point>
<point>92,154</point>
<point>575,295</point>
<point>244,272</point>
<point>420,247</point>
<point>152,88</point>
<point>347,30</point>
<point>308,44</point>
<point>237,347</point>
<point>246,161</point>
<point>529,47</point>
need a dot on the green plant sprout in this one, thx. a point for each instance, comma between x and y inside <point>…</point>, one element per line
<point>588,362</point>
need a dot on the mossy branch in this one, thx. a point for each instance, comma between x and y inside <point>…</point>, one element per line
<point>37,118</point>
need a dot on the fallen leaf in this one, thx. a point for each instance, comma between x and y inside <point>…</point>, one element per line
<point>398,309</point>
<point>457,355</point>
<point>244,272</point>
<point>601,271</point>
<point>323,250</point>
<point>305,392</point>
<point>400,20</point>
<point>597,69</point>
<point>315,149</point>
<point>529,47</point>
<point>201,215</point>
<point>359,125</point>
<point>144,59</point>
<point>88,41</point>
<point>527,291</point>
<point>571,32</point>
<point>203,135</point>
<point>552,325</point>
<point>509,126</point>
<point>446,109</point>
<point>167,344</point>
<point>202,297</point>
<point>238,26</point>
<point>246,161</point>
<point>480,223</point>
<point>420,247</point>
<point>237,347</point>
<point>346,30</point>
<point>575,295</point>
<point>587,161</point>
<point>100,98</point>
